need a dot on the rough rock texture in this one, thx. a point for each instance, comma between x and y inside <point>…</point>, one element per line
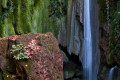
<point>44,64</point>
<point>72,69</point>
<point>72,35</point>
<point>75,29</point>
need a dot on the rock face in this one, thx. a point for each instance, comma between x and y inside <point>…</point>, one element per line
<point>45,61</point>
<point>75,29</point>
<point>72,35</point>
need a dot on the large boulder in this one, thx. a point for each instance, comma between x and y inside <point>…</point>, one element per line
<point>44,59</point>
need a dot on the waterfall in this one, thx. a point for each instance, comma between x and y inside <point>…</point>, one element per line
<point>111,73</point>
<point>87,59</point>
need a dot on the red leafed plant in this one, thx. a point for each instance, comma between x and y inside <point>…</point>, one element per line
<point>32,48</point>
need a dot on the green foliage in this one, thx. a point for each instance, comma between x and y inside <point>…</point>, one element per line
<point>0,7</point>
<point>109,58</point>
<point>102,11</point>
<point>114,44</point>
<point>25,16</point>
<point>57,8</point>
<point>4,3</point>
<point>19,52</point>
<point>3,16</point>
<point>2,29</point>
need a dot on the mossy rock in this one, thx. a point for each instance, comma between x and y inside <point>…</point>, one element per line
<point>7,76</point>
<point>102,11</point>
<point>4,3</point>
<point>44,64</point>
<point>2,30</point>
<point>110,59</point>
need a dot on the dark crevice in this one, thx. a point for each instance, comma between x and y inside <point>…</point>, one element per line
<point>73,62</point>
<point>71,57</point>
<point>1,73</point>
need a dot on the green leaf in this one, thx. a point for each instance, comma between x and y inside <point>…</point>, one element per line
<point>11,51</point>
<point>25,56</point>
<point>17,58</point>
<point>21,53</point>
<point>13,46</point>
<point>25,53</point>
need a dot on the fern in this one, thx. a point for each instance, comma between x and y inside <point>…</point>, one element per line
<point>18,52</point>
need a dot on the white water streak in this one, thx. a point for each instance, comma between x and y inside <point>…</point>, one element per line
<point>111,73</point>
<point>87,62</point>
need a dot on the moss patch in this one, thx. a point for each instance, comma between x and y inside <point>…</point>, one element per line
<point>102,11</point>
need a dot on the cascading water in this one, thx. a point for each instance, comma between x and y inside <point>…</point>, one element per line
<point>111,73</point>
<point>87,60</point>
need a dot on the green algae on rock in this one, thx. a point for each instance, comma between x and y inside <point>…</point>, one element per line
<point>29,16</point>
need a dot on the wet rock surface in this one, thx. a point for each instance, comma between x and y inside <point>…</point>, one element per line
<point>72,67</point>
<point>45,63</point>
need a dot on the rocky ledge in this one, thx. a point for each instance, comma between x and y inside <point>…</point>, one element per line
<point>30,57</point>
